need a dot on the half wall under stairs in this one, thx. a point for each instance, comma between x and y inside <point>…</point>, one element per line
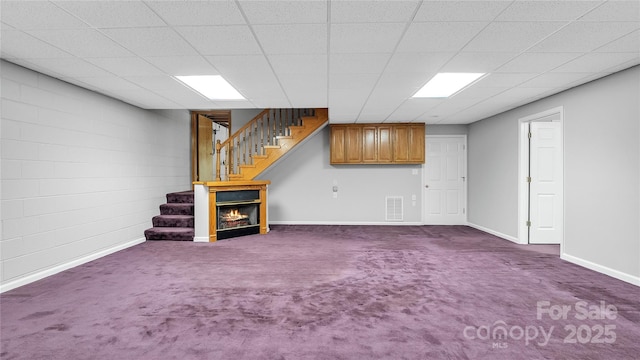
<point>175,221</point>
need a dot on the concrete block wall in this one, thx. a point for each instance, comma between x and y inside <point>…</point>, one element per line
<point>82,174</point>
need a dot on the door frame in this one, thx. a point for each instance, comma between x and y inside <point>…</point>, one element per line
<point>557,115</point>
<point>424,173</point>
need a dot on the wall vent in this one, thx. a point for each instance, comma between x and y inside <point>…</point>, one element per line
<point>393,209</point>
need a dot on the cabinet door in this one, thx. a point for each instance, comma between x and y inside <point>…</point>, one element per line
<point>385,150</point>
<point>416,144</point>
<point>369,144</point>
<point>401,143</point>
<point>337,147</point>
<point>354,144</point>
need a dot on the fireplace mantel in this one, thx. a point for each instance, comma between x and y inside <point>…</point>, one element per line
<point>206,206</point>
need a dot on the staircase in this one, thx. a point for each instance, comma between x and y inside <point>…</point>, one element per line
<point>175,221</point>
<point>264,140</point>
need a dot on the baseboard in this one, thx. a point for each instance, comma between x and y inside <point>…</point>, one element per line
<point>388,223</point>
<point>200,239</point>
<point>631,279</point>
<point>71,264</point>
<point>496,233</point>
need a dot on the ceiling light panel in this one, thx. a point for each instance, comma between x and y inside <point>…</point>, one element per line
<point>446,84</point>
<point>213,87</point>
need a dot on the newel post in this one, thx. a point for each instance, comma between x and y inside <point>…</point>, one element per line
<point>218,147</point>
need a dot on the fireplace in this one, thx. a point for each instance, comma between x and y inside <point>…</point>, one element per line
<point>238,213</point>
<point>237,208</point>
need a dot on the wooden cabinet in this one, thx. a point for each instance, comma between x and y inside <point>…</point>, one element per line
<point>400,143</point>
<point>408,145</point>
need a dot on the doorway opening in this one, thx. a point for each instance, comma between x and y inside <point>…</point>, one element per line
<point>540,179</point>
<point>207,127</point>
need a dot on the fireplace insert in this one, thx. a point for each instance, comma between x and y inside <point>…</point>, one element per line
<point>237,213</point>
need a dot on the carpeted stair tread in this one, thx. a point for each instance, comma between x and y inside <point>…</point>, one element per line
<point>169,233</point>
<point>173,221</point>
<point>180,197</point>
<point>176,220</point>
<point>176,209</point>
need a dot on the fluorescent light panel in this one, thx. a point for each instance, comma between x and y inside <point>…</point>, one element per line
<point>446,84</point>
<point>213,87</point>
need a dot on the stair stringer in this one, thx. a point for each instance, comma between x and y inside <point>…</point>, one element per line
<point>273,154</point>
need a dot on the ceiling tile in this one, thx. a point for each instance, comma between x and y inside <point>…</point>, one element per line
<point>151,41</point>
<point>413,108</point>
<point>219,40</point>
<point>17,44</point>
<point>247,65</point>
<point>299,64</point>
<point>110,14</point>
<point>285,12</point>
<point>549,80</point>
<point>82,42</point>
<point>615,10</point>
<point>128,66</point>
<point>585,36</point>
<point>547,10</point>
<point>420,63</point>
<point>460,10</point>
<point>595,62</point>
<point>536,62</point>
<point>292,39</point>
<point>439,36</point>
<point>110,83</point>
<point>198,13</point>
<point>156,83</point>
<point>183,65</point>
<point>358,63</point>
<point>70,67</point>
<point>29,15</point>
<point>628,43</point>
<point>347,11</point>
<point>362,82</point>
<point>512,36</point>
<point>365,38</point>
<point>477,62</point>
<point>504,80</point>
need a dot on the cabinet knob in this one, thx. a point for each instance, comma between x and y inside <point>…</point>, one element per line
<point>426,186</point>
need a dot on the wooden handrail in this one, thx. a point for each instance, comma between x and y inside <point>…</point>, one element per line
<point>251,138</point>
<point>246,126</point>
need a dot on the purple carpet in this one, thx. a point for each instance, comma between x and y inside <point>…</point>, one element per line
<point>326,292</point>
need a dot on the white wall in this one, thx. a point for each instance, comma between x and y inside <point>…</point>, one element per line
<point>302,188</point>
<point>82,174</point>
<point>601,172</point>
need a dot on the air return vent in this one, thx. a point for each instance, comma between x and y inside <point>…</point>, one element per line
<point>393,209</point>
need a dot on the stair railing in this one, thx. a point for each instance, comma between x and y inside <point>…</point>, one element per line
<point>251,139</point>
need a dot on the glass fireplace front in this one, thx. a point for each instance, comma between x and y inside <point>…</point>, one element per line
<point>238,213</point>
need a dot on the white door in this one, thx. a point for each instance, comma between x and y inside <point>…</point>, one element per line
<point>545,190</point>
<point>445,174</point>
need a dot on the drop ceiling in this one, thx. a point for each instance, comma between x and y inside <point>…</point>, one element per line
<point>361,59</point>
